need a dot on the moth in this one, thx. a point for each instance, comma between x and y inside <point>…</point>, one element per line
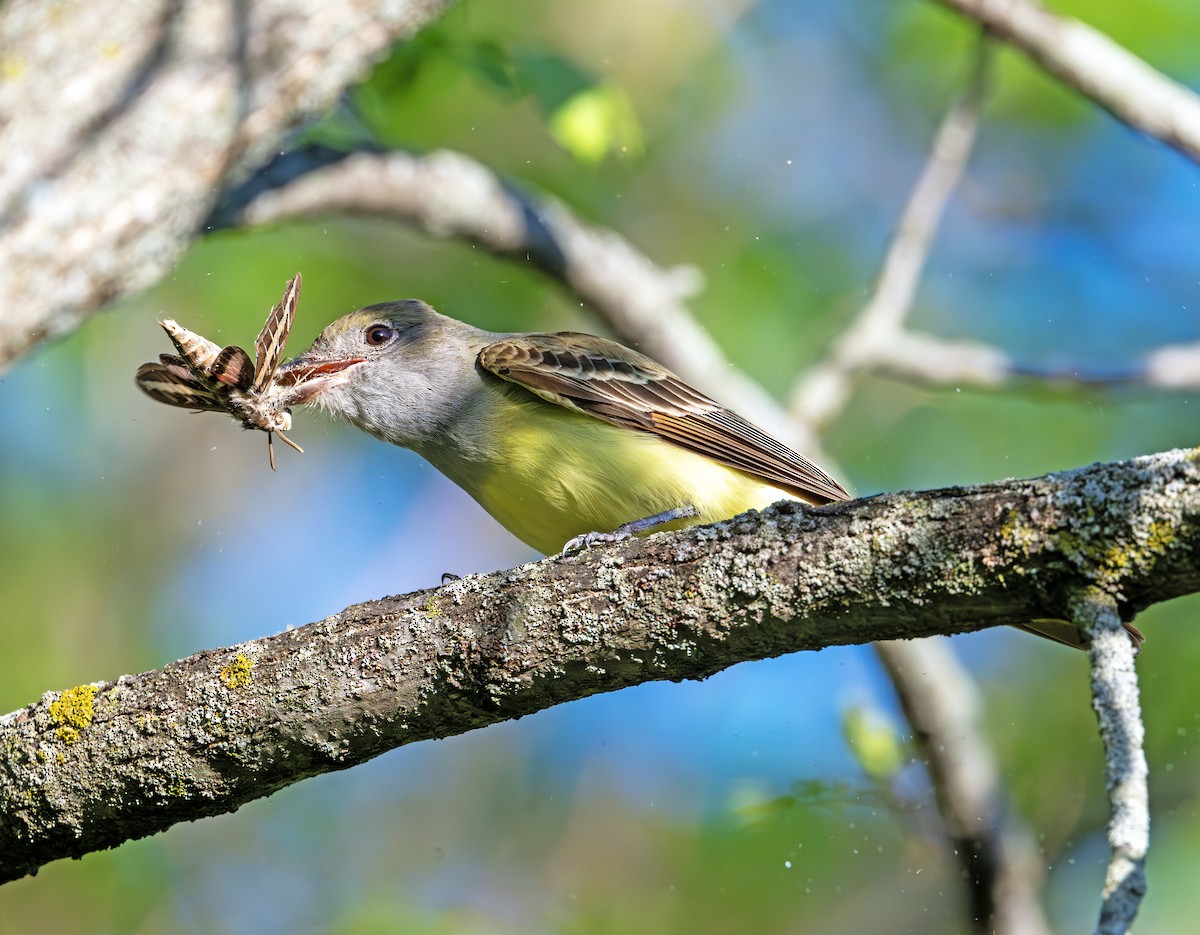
<point>206,377</point>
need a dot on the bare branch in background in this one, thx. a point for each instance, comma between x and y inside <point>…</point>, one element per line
<point>875,335</point>
<point>998,858</point>
<point>1088,61</point>
<point>97,765</point>
<point>168,99</point>
<point>447,194</point>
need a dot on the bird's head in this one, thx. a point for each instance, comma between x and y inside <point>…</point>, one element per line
<point>394,369</point>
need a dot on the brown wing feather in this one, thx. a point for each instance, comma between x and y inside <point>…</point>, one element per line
<point>611,382</point>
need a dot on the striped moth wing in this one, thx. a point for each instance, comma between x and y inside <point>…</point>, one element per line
<point>206,377</point>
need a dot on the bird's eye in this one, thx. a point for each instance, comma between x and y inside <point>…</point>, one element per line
<point>378,335</point>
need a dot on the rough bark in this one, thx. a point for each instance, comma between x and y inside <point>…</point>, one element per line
<point>96,765</point>
<point>122,120</point>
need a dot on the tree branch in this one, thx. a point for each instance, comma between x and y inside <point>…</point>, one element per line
<point>167,100</point>
<point>98,765</point>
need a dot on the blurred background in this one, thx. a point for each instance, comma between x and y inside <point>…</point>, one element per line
<point>772,145</point>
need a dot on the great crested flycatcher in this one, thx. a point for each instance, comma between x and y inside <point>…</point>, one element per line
<point>558,436</point>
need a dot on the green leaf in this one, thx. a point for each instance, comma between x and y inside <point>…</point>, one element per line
<point>874,743</point>
<point>597,122</point>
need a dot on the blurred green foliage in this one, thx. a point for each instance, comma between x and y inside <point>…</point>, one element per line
<point>771,145</point>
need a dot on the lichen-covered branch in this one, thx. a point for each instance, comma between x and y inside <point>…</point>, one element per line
<point>121,120</point>
<point>1115,698</point>
<point>100,764</point>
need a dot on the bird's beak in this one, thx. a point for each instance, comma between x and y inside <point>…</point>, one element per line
<point>307,377</point>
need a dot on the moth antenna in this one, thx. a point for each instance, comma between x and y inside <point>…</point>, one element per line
<point>271,449</point>
<point>283,438</point>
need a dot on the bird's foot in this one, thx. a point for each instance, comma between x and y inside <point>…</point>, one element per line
<point>628,530</point>
<point>589,539</point>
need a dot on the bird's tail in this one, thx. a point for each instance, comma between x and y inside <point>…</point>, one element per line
<point>1069,635</point>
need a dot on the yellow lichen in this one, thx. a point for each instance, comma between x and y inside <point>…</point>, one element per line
<point>1160,536</point>
<point>1115,561</point>
<point>432,609</point>
<point>237,673</point>
<point>73,711</point>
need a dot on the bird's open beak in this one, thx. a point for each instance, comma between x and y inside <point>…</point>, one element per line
<point>307,377</point>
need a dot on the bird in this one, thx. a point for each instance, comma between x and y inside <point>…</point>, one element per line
<point>566,439</point>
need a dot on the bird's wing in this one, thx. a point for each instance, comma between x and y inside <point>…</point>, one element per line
<point>611,382</point>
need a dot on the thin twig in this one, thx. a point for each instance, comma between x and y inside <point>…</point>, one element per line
<point>1118,709</point>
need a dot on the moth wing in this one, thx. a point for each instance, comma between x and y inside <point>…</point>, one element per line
<point>177,386</point>
<point>197,352</point>
<point>179,367</point>
<point>269,345</point>
<point>233,368</point>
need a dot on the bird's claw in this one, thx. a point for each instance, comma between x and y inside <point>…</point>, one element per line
<point>588,539</point>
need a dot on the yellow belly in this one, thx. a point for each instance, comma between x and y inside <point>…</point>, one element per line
<point>557,474</point>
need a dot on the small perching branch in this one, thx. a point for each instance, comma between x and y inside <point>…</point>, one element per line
<point>1115,698</point>
<point>101,764</point>
<point>1088,61</point>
